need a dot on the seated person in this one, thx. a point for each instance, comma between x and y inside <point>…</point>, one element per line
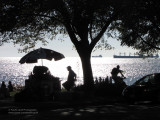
<point>115,72</point>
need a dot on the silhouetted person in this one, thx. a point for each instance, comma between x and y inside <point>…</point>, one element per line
<point>100,79</point>
<point>115,71</point>
<point>3,85</point>
<point>96,80</point>
<point>10,86</point>
<point>3,90</point>
<point>106,80</point>
<point>110,80</point>
<point>70,80</point>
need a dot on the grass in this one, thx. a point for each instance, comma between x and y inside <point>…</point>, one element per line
<point>12,94</point>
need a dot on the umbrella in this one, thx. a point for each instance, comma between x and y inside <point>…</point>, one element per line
<point>41,53</point>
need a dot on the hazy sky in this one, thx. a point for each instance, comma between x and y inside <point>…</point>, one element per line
<point>66,48</point>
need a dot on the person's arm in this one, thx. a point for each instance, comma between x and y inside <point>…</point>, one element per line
<point>74,74</point>
<point>121,73</point>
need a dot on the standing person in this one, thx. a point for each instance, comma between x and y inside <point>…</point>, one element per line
<point>10,86</point>
<point>3,90</point>
<point>3,85</point>
<point>70,80</point>
<point>115,72</point>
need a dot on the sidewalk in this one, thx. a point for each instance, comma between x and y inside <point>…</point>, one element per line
<point>84,110</point>
<point>104,112</point>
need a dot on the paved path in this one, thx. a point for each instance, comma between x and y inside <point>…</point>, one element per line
<point>96,112</point>
<point>105,112</point>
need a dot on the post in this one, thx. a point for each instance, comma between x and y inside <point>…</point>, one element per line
<point>42,61</point>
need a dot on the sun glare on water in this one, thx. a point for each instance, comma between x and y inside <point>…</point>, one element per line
<point>12,70</point>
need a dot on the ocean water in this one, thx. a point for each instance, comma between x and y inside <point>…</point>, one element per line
<point>12,70</point>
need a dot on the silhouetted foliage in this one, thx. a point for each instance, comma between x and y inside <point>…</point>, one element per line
<point>139,26</point>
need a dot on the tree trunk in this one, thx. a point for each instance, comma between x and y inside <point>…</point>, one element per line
<point>87,71</point>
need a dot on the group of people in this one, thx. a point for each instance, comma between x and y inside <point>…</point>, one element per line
<point>4,90</point>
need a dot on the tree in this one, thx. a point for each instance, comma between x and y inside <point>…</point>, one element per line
<point>140,26</point>
<point>25,22</point>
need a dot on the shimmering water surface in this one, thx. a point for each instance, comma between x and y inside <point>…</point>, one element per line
<point>12,70</point>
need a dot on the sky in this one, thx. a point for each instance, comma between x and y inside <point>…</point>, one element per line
<point>66,48</point>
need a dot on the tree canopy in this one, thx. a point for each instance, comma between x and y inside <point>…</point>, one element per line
<point>140,26</point>
<point>28,21</point>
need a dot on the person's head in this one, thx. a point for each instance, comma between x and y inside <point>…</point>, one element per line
<point>9,82</point>
<point>69,68</point>
<point>118,66</point>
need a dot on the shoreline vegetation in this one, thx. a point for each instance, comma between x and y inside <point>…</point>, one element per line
<point>102,90</point>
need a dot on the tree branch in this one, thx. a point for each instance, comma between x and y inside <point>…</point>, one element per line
<point>71,34</point>
<point>96,39</point>
<point>90,32</point>
<point>67,23</point>
<point>42,15</point>
<point>151,45</point>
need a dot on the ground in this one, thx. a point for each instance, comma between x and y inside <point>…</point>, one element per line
<point>86,110</point>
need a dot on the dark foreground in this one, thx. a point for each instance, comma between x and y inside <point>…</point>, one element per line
<point>88,110</point>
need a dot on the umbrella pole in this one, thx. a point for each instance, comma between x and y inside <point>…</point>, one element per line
<point>42,61</point>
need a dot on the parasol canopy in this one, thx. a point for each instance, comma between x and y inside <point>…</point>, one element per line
<point>41,53</point>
